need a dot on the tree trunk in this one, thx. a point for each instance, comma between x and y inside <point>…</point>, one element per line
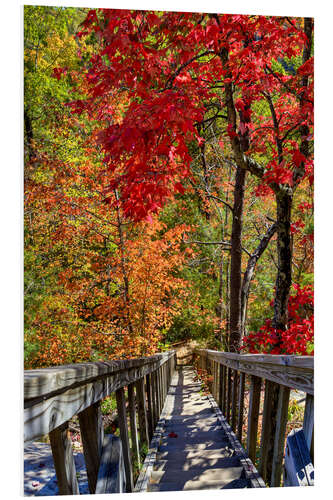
<point>252,262</point>
<point>236,262</point>
<point>28,135</point>
<point>284,251</point>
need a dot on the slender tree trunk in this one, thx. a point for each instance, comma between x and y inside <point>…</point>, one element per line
<point>236,262</point>
<point>123,266</point>
<point>284,252</point>
<point>252,262</point>
<point>28,135</point>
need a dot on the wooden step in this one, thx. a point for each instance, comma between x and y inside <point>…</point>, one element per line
<point>199,485</point>
<point>195,453</point>
<point>183,463</point>
<point>224,475</point>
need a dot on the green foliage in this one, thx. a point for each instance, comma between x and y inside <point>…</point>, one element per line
<point>108,405</point>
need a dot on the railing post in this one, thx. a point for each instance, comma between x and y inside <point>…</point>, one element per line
<point>122,417</point>
<point>224,389</point>
<point>268,429</point>
<point>159,391</point>
<point>253,418</point>
<point>234,401</point>
<point>240,406</point>
<point>63,459</point>
<point>282,418</point>
<point>133,424</point>
<point>151,418</point>
<point>92,434</point>
<point>229,385</point>
<point>154,390</point>
<point>142,412</point>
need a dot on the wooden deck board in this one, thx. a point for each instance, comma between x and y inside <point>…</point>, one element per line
<point>194,449</point>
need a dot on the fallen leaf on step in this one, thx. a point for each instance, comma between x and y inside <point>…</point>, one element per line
<point>172,435</point>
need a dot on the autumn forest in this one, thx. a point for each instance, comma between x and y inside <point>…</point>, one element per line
<point>168,172</point>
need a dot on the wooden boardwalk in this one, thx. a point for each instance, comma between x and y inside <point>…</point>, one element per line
<point>193,447</point>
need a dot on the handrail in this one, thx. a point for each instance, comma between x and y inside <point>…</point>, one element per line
<point>291,371</point>
<point>280,374</point>
<point>52,396</point>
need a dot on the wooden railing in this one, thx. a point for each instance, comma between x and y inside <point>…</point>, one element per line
<point>276,375</point>
<point>52,396</point>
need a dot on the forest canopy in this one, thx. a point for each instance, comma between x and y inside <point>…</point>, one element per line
<point>168,171</point>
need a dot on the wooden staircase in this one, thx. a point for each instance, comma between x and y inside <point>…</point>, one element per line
<point>193,439</point>
<point>195,448</point>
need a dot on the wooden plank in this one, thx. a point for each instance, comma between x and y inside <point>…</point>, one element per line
<point>43,415</point>
<point>234,401</point>
<point>217,394</point>
<point>158,392</point>
<point>150,409</point>
<point>163,376</point>
<point>122,417</point>
<point>268,429</point>
<point>150,406</point>
<point>92,435</point>
<point>224,390</point>
<point>133,424</point>
<point>302,362</point>
<point>61,445</point>
<point>291,371</point>
<point>111,477</point>
<point>154,397</point>
<point>142,413</point>
<point>250,470</point>
<point>229,390</point>
<point>240,406</point>
<point>282,418</point>
<point>253,417</point>
<point>220,402</point>
<point>43,382</point>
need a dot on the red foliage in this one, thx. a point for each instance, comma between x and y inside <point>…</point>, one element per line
<point>170,66</point>
<point>297,338</point>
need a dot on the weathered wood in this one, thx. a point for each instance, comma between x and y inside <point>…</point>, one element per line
<point>298,468</point>
<point>282,418</point>
<point>163,384</point>
<point>217,391</point>
<point>63,459</point>
<point>154,394</point>
<point>220,402</point>
<point>150,412</point>
<point>43,382</point>
<point>41,415</point>
<point>229,388</point>
<point>92,435</point>
<point>291,371</point>
<point>142,412</point>
<point>159,392</point>
<point>224,390</point>
<point>240,406</point>
<point>267,433</point>
<point>308,423</point>
<point>234,401</point>
<point>250,470</point>
<point>133,424</point>
<point>122,417</point>
<point>253,417</point>
<point>111,478</point>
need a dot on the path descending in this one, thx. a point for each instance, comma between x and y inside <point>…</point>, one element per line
<point>201,456</point>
